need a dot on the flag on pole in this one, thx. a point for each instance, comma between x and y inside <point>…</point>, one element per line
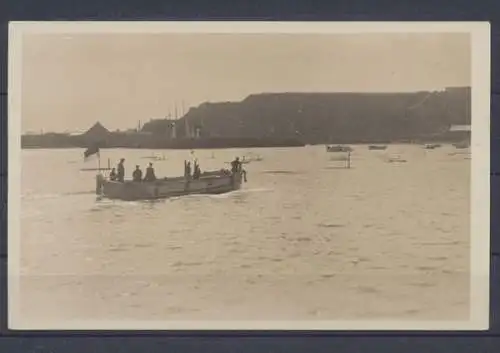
<point>91,151</point>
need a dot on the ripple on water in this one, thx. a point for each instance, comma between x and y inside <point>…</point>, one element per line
<point>118,249</point>
<point>282,172</point>
<point>303,239</point>
<point>426,284</point>
<point>426,268</point>
<point>186,264</point>
<point>143,245</point>
<point>174,247</point>
<point>330,225</point>
<point>437,258</point>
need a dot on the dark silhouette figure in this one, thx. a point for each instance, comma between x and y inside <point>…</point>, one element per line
<point>236,165</point>
<point>137,174</point>
<point>196,171</point>
<point>187,169</point>
<point>112,175</point>
<point>150,173</point>
<point>121,171</point>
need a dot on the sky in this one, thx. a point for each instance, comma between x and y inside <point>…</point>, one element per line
<point>71,81</point>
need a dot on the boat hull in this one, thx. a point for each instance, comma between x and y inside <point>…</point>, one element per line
<point>172,187</point>
<point>338,149</point>
<point>377,148</point>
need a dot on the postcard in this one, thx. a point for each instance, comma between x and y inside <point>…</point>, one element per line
<point>249,175</point>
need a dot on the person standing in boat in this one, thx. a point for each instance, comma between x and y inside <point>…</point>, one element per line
<point>120,176</point>
<point>137,174</point>
<point>187,169</point>
<point>196,171</point>
<point>112,175</point>
<point>150,173</point>
<point>236,165</point>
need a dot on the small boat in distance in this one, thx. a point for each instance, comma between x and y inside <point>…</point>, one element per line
<point>155,158</point>
<point>252,158</point>
<point>431,146</point>
<point>396,159</point>
<point>338,148</point>
<point>377,147</point>
<point>212,182</point>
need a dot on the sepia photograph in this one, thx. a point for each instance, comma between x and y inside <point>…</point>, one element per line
<point>249,175</point>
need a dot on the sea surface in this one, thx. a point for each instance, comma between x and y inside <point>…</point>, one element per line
<point>306,238</point>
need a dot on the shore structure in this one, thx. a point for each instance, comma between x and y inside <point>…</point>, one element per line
<point>288,120</point>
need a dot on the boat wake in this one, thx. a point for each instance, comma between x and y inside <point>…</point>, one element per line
<point>227,195</point>
<point>40,196</point>
<point>79,193</point>
<point>104,203</point>
<point>280,172</point>
<point>244,191</point>
<point>29,196</point>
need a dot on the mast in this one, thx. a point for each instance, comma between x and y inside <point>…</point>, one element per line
<point>174,132</point>
<point>186,123</point>
<point>186,127</point>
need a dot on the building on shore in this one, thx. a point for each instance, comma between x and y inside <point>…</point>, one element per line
<point>460,133</point>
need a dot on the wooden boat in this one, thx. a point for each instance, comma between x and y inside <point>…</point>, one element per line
<point>377,148</point>
<point>338,148</point>
<point>214,182</point>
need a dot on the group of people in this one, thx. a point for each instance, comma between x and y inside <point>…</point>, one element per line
<point>196,170</point>
<point>118,173</point>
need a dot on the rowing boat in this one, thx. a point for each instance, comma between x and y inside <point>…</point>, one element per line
<point>214,182</point>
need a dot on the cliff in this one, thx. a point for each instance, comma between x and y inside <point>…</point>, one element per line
<point>327,117</point>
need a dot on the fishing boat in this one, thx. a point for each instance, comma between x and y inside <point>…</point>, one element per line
<point>377,148</point>
<point>431,146</point>
<point>212,182</point>
<point>338,148</point>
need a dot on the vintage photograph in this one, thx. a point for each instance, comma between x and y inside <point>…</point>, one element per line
<point>249,175</point>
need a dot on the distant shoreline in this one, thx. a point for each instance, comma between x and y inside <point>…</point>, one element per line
<point>421,142</point>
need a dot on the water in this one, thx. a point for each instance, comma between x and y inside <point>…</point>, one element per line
<point>304,239</point>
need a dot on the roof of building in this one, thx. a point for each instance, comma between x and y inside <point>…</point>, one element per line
<point>460,128</point>
<point>97,129</point>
